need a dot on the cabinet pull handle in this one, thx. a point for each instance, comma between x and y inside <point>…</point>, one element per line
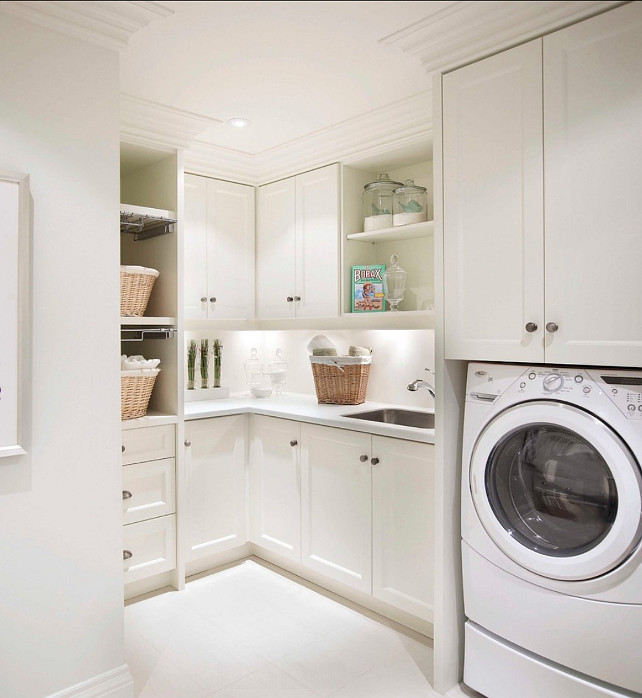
<point>122,448</point>
<point>374,461</point>
<point>289,299</point>
<point>188,444</point>
<point>127,495</point>
<point>294,442</point>
<point>297,298</point>
<point>363,459</point>
<point>204,299</point>
<point>127,554</point>
<point>531,327</point>
<point>212,299</point>
<point>552,327</point>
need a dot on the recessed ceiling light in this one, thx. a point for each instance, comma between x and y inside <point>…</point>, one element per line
<point>239,122</point>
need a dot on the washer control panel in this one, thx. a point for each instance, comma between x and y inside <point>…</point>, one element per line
<point>540,381</point>
<point>624,388</point>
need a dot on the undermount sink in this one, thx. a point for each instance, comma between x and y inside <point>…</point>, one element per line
<point>406,418</point>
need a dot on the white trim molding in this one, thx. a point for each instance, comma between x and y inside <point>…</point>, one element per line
<point>401,124</point>
<point>108,24</point>
<point>115,683</point>
<point>467,31</point>
<point>149,123</point>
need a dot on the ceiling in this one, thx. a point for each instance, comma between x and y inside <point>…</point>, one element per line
<point>291,68</point>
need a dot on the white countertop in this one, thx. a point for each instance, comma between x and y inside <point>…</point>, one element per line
<point>305,408</point>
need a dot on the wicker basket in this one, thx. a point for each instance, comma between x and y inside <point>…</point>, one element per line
<point>135,391</point>
<point>135,288</point>
<point>341,380</point>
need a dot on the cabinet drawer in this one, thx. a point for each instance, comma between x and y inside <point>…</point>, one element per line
<point>151,486</point>
<point>149,443</point>
<point>150,547</point>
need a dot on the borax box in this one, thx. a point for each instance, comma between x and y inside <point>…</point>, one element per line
<point>367,288</point>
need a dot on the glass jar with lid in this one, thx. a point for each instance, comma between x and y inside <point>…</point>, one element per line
<point>409,204</point>
<point>377,203</point>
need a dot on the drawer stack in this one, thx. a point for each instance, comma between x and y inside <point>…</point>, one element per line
<point>149,502</point>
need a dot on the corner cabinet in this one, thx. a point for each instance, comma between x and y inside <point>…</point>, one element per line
<point>218,249</point>
<point>297,246</point>
<point>541,167</point>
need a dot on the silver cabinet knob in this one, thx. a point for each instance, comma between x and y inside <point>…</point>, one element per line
<point>188,444</point>
<point>212,299</point>
<point>374,461</point>
<point>127,554</point>
<point>122,448</point>
<point>127,495</point>
<point>552,327</point>
<point>531,327</point>
<point>297,298</point>
<point>363,459</point>
<point>204,299</point>
<point>294,442</point>
<point>289,299</point>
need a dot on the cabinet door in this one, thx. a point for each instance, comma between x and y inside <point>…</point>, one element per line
<point>336,504</point>
<point>148,490</point>
<point>275,486</point>
<point>493,236</point>
<point>230,250</point>
<point>317,243</point>
<point>403,525</point>
<point>275,250</point>
<point>149,547</point>
<point>593,156</point>
<point>215,498</point>
<point>195,247</point>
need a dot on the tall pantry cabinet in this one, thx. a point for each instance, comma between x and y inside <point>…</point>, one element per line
<point>542,160</point>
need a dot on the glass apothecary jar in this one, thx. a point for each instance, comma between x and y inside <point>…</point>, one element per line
<point>409,204</point>
<point>377,203</point>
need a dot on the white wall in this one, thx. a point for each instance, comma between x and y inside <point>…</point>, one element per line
<point>399,356</point>
<point>61,620</point>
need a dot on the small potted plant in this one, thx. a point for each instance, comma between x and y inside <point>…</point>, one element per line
<point>205,347</point>
<point>217,350</point>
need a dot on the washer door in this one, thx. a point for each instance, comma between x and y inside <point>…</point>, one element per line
<point>557,490</point>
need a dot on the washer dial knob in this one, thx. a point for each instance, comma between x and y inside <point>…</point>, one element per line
<point>553,382</point>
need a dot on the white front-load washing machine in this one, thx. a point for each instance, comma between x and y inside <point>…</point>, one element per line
<point>551,531</point>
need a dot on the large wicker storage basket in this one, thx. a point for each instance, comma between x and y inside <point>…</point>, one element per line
<point>135,288</point>
<point>341,380</point>
<point>135,391</point>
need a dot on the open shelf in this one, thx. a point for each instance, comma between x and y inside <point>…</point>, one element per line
<point>146,321</point>
<point>400,232</point>
<point>144,222</point>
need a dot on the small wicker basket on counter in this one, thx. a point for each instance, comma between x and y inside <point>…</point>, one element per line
<point>135,289</point>
<point>135,390</point>
<point>341,380</point>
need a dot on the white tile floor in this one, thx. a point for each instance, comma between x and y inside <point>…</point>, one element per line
<point>249,632</point>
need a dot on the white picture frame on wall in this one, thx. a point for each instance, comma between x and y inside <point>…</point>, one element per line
<point>15,314</point>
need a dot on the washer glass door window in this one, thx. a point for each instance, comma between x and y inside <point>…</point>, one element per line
<point>551,489</point>
<point>557,490</point>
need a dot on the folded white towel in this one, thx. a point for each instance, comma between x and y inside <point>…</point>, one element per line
<point>137,363</point>
<point>141,372</point>
<point>130,269</point>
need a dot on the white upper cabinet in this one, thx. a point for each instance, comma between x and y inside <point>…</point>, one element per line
<point>593,160</point>
<point>218,249</point>
<point>493,244</point>
<point>298,246</point>
<point>541,232</point>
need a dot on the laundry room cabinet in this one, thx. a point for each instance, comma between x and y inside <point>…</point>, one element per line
<point>218,249</point>
<point>541,170</point>
<point>297,246</point>
<point>215,512</point>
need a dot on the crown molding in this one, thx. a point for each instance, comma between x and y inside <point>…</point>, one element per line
<point>399,125</point>
<point>396,125</point>
<point>157,125</point>
<point>212,160</point>
<point>108,24</point>
<point>467,31</point>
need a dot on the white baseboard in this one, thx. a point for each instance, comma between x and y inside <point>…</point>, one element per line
<point>115,683</point>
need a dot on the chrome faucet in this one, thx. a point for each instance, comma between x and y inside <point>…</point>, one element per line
<point>419,383</point>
